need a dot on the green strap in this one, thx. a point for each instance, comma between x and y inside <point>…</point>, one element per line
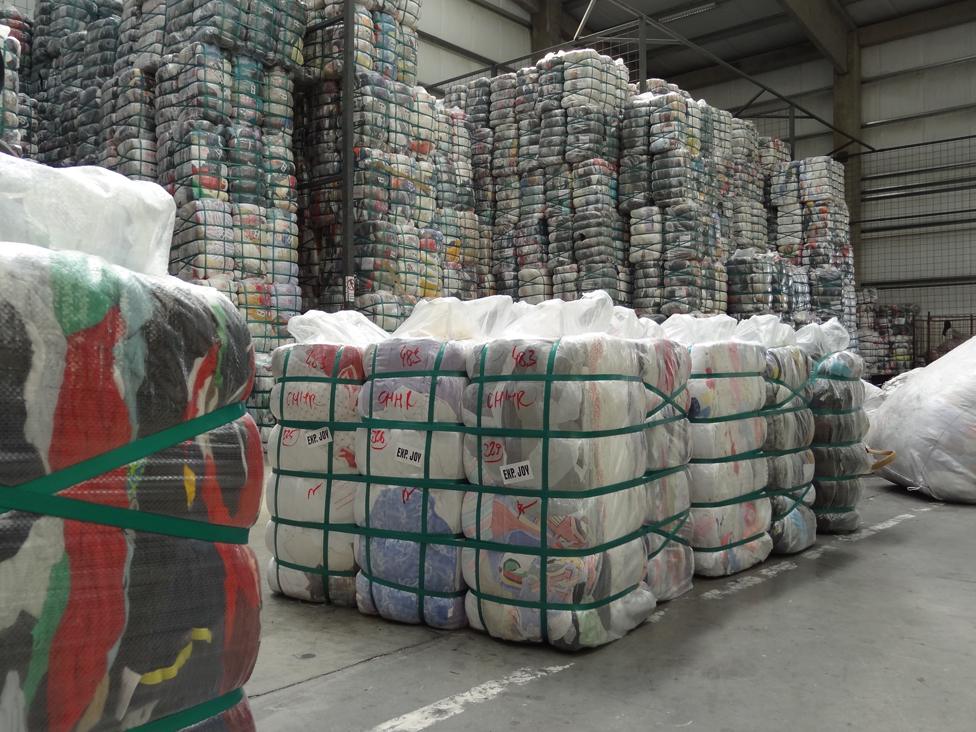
<point>727,375</point>
<point>797,493</point>
<point>673,535</point>
<point>741,416</point>
<point>38,496</point>
<point>193,715</point>
<point>731,545</point>
<point>744,498</point>
<point>749,455</point>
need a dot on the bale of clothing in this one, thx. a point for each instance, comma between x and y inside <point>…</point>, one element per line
<point>730,512</point>
<point>137,598</point>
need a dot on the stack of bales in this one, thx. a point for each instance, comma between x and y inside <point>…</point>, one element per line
<point>215,121</point>
<point>413,228</point>
<point>9,103</point>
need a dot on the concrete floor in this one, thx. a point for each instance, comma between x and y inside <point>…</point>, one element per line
<point>873,631</point>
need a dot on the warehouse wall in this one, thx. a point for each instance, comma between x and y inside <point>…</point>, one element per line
<point>916,89</point>
<point>471,27</point>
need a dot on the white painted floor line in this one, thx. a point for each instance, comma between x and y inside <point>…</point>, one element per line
<point>743,583</point>
<point>872,530</point>
<point>451,706</point>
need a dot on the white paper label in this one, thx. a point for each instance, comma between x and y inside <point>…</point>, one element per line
<point>319,437</point>
<point>516,472</point>
<point>409,456</point>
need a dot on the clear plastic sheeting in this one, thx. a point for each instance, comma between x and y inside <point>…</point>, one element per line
<point>937,455</point>
<point>129,223</point>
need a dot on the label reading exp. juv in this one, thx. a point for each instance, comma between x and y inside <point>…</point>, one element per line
<point>319,437</point>
<point>516,472</point>
<point>409,456</point>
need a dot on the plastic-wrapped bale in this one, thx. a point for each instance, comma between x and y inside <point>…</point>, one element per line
<point>730,513</point>
<point>9,103</point>
<point>411,459</point>
<point>750,282</point>
<point>801,307</point>
<point>645,254</point>
<point>259,402</point>
<point>477,103</point>
<point>207,21</point>
<point>789,459</point>
<point>789,231</point>
<point>326,36</point>
<point>531,245</point>
<point>314,478</point>
<point>715,287</point>
<point>665,369</point>
<point>377,250</point>
<point>22,28</point>
<point>840,426</point>
<point>134,125</point>
<point>267,308</point>
<point>99,526</point>
<point>821,179</point>
<point>193,106</point>
<point>539,433</point>
<point>593,248</point>
<point>101,49</point>
<point>206,245</point>
<point>826,230</point>
<point>70,16</point>
<point>826,292</point>
<point>29,121</point>
<point>142,34</point>
<point>383,308</point>
<point>683,254</point>
<point>635,155</point>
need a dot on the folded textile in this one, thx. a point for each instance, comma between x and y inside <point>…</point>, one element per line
<point>99,556</point>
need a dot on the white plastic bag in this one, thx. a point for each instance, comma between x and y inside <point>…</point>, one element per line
<point>928,417</point>
<point>88,209</point>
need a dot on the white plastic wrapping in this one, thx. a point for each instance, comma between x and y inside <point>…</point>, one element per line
<point>540,408</point>
<point>92,210</point>
<point>730,514</point>
<point>938,454</point>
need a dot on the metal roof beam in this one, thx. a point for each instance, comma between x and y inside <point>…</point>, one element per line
<point>756,64</point>
<point>824,26</point>
<point>924,21</point>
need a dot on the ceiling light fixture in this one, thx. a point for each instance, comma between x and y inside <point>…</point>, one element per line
<point>682,14</point>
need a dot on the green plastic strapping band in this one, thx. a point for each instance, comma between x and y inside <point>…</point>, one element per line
<point>193,715</point>
<point>732,545</point>
<point>727,375</point>
<point>744,498</point>
<point>38,496</point>
<point>797,493</point>
<point>749,455</point>
<point>681,518</point>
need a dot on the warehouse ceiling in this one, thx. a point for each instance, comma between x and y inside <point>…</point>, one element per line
<point>735,30</point>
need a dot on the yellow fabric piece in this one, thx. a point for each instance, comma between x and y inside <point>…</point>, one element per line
<point>189,485</point>
<point>167,673</point>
